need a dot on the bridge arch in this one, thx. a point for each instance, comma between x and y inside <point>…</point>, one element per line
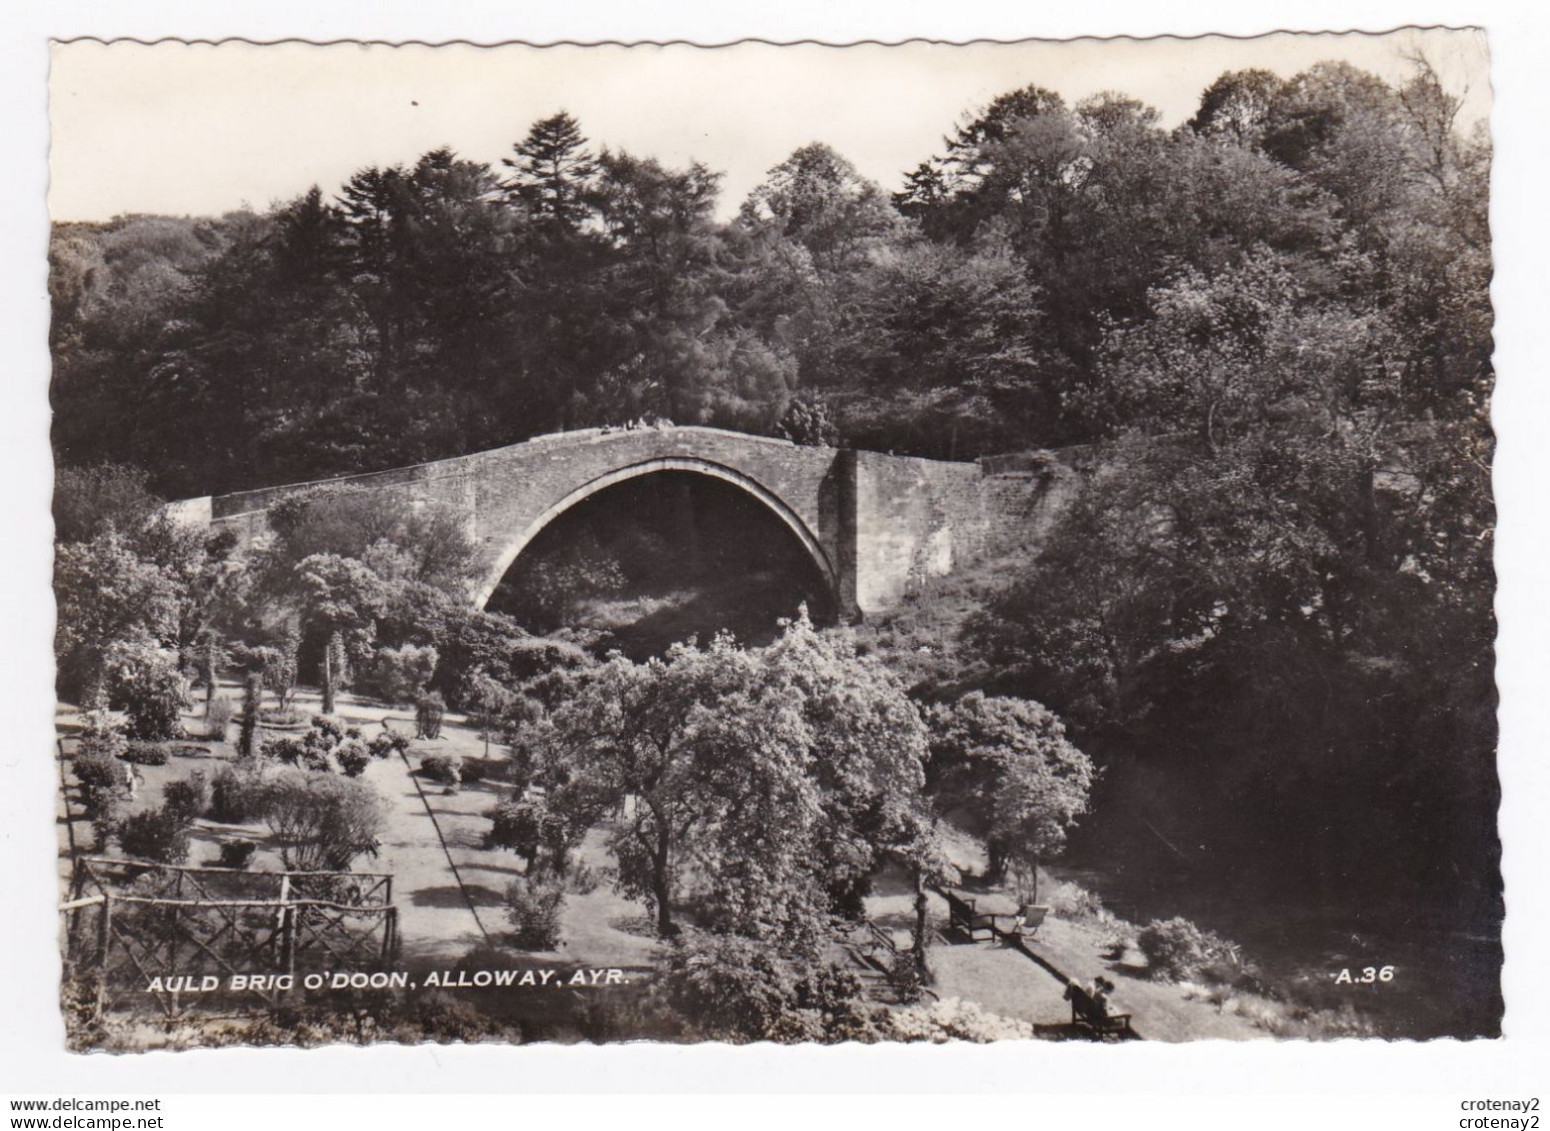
<point>772,502</point>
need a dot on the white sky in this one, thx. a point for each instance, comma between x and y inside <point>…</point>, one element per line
<point>200,129</point>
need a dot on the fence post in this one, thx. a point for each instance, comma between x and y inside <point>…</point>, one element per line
<point>389,935</point>
<point>287,929</point>
<point>104,940</point>
<point>73,926</point>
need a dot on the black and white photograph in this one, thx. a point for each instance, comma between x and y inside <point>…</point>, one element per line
<point>798,543</point>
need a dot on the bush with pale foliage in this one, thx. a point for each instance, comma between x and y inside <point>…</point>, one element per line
<point>953,1019</point>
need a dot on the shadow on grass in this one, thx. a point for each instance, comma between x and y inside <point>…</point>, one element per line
<point>451,895</point>
<point>642,926</point>
<point>498,869</point>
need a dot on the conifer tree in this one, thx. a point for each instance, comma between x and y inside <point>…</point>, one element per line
<point>553,170</point>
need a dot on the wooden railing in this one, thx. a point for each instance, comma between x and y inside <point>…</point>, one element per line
<point>199,922</point>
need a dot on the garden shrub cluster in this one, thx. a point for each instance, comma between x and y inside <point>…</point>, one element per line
<point>159,834</point>
<point>953,1019</point>
<point>100,736</point>
<point>320,821</point>
<point>287,751</point>
<point>447,768</point>
<point>147,753</point>
<point>236,796</point>
<point>162,833</point>
<point>533,904</point>
<point>188,797</point>
<point>218,715</point>
<point>352,756</point>
<point>428,713</point>
<point>734,988</point>
<point>331,746</point>
<point>387,742</point>
<point>397,675</point>
<point>1072,901</point>
<point>151,689</point>
<point>1178,950</point>
<point>236,854</point>
<point>530,828</point>
<point>102,781</point>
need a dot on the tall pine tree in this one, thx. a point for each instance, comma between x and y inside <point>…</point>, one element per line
<point>553,171</point>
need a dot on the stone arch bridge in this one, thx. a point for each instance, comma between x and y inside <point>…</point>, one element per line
<point>875,525</point>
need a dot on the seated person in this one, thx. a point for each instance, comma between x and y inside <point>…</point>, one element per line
<point>1102,988</point>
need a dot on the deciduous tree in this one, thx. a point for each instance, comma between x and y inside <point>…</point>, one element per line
<point>1009,762</point>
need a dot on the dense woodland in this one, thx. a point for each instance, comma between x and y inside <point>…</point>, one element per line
<point>1271,326</point>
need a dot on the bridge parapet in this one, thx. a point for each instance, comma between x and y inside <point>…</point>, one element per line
<point>874,524</point>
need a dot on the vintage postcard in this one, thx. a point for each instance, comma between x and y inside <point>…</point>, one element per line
<point>774,543</point>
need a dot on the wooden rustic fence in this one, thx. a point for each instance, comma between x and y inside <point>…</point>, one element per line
<point>219,939</point>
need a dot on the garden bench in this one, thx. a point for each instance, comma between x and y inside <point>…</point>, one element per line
<point>963,915</point>
<point>991,916</point>
<point>1028,921</point>
<point>1087,1014</point>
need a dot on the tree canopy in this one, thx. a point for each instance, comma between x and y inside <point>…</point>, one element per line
<point>710,750</point>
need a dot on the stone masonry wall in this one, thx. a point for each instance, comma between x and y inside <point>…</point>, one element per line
<point>877,524</point>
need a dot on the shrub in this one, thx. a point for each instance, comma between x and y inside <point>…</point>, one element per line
<point>331,746</point>
<point>398,675</point>
<point>443,768</point>
<point>329,727</point>
<point>188,798</point>
<point>488,703</point>
<point>353,757</point>
<point>89,499</point>
<point>102,782</point>
<point>954,1020</point>
<point>905,979</point>
<point>533,905</point>
<point>104,826</point>
<point>808,422</point>
<point>252,705</point>
<point>97,769</point>
<point>151,690</point>
<point>1176,949</point>
<point>387,743</point>
<point>428,713</point>
<point>279,671</point>
<point>727,987</point>
<point>218,715</point>
<point>321,822</point>
<point>236,854</point>
<point>1072,901</point>
<point>734,988</point>
<point>100,736</point>
<point>442,1018</point>
<point>236,796</point>
<point>147,753</point>
<point>159,834</point>
<point>528,827</point>
<point>285,750</point>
